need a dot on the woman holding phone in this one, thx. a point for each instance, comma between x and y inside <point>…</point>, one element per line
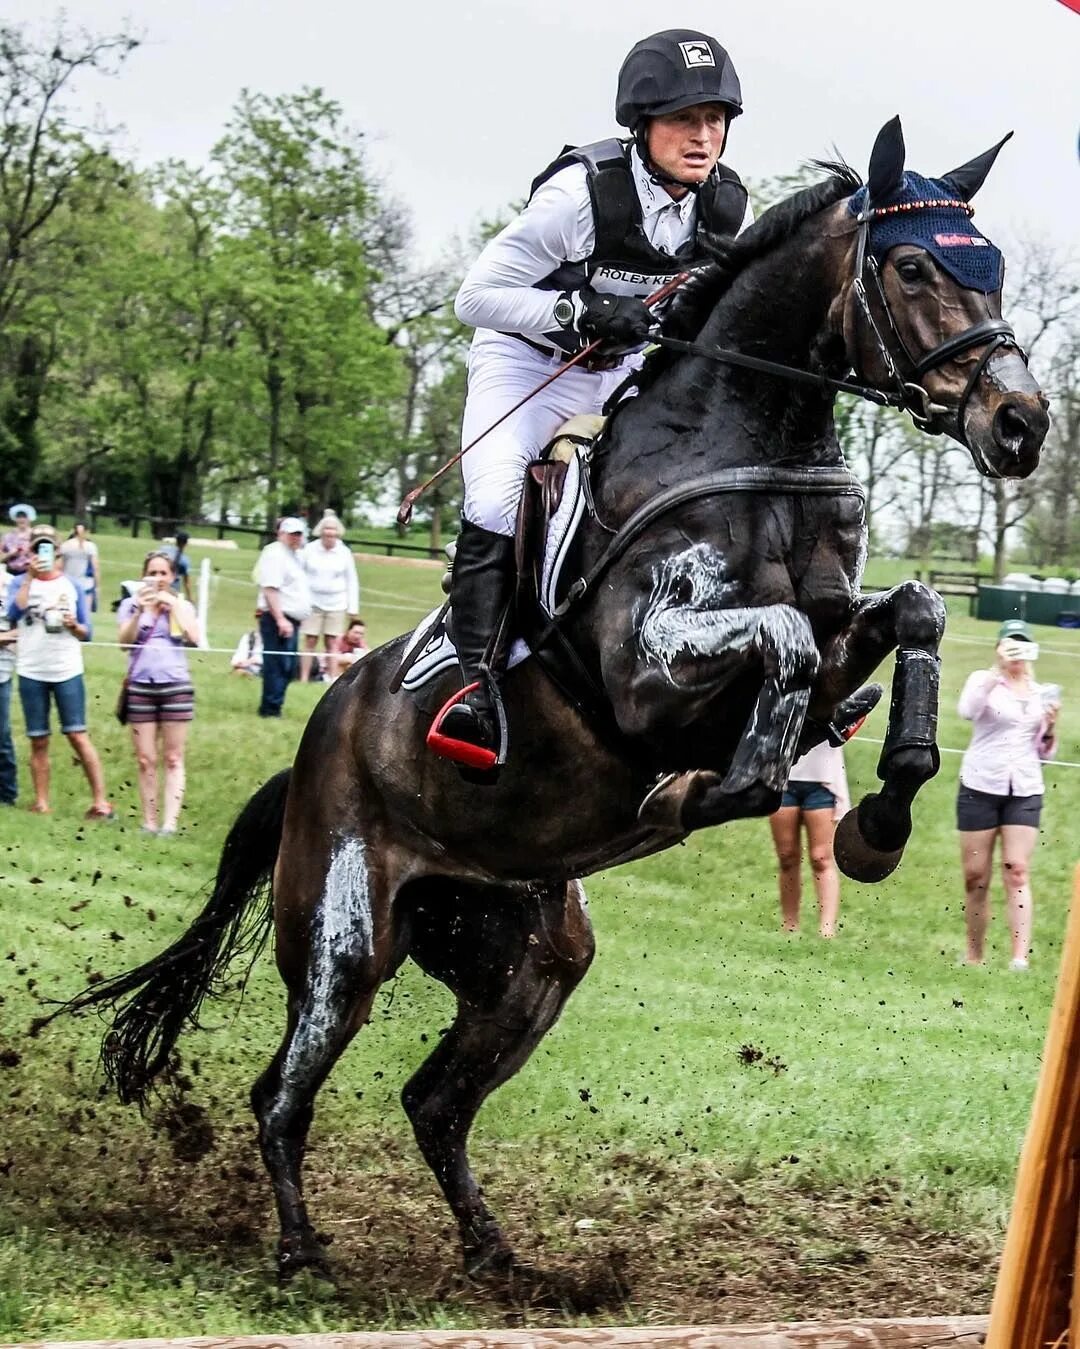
<point>53,622</point>
<point>1001,784</point>
<point>157,623</point>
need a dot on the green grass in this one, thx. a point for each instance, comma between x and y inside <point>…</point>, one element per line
<point>891,1065</point>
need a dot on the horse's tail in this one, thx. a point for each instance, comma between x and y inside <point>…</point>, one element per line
<point>155,1002</point>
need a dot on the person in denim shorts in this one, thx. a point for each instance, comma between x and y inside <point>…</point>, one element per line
<point>53,622</point>
<point>1001,785</point>
<point>156,624</point>
<point>816,796</point>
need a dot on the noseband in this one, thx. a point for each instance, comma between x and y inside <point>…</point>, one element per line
<point>912,395</point>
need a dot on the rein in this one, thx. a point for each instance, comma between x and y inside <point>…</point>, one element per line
<point>909,396</point>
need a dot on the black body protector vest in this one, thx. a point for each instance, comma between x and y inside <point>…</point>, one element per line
<point>623,261</point>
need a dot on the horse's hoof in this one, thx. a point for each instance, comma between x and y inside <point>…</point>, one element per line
<point>302,1253</point>
<point>493,1262</point>
<point>856,858</point>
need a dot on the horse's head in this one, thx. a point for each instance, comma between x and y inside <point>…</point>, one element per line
<point>923,311</point>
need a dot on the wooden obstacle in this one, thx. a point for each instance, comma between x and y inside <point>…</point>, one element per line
<point>1034,1304</point>
<point>958,1332</point>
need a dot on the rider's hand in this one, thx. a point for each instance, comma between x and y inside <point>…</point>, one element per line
<point>621,319</point>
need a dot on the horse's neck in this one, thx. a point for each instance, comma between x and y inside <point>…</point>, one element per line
<point>777,310</point>
<point>701,414</point>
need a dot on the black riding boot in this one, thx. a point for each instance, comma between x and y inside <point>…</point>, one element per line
<point>481,587</point>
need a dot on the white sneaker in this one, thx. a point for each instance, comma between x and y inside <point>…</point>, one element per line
<point>1018,964</point>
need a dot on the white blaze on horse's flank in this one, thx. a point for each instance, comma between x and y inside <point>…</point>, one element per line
<point>695,625</point>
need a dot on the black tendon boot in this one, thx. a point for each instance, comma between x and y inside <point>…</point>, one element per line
<point>469,728</point>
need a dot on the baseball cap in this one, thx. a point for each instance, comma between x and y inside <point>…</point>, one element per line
<point>291,524</point>
<point>1016,629</point>
<point>41,533</point>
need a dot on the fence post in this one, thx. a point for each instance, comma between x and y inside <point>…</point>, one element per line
<point>202,602</point>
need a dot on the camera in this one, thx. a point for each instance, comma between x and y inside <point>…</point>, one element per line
<point>46,551</point>
<point>53,620</point>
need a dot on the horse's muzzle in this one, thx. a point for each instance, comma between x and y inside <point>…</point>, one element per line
<point>1019,428</point>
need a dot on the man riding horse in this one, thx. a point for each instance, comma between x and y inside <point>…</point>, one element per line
<point>606,225</point>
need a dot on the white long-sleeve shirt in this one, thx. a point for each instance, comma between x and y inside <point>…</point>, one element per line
<point>500,291</point>
<point>331,573</point>
<point>1007,740</point>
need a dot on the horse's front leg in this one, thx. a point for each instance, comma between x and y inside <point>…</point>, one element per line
<point>909,619</point>
<point>776,639</point>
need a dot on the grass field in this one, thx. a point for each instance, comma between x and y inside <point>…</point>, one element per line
<point>861,1162</point>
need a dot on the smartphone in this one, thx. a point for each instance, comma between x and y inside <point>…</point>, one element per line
<point>46,551</point>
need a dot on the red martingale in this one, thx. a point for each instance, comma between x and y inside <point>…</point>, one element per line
<point>459,751</point>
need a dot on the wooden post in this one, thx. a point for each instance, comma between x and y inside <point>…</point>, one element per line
<point>1034,1289</point>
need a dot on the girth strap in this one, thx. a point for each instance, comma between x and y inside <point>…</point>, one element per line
<point>750,478</point>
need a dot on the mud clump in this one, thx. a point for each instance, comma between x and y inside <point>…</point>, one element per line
<point>188,1129</point>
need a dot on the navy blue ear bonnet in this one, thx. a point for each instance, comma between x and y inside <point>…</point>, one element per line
<point>945,231</point>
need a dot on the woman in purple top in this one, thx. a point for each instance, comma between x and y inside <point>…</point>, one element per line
<point>1001,784</point>
<point>157,623</point>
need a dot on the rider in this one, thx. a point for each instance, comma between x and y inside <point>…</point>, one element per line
<point>605,225</point>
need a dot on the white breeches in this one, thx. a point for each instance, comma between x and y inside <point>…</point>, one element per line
<point>502,371</point>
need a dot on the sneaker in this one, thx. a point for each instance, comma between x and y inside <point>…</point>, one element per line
<point>1018,965</point>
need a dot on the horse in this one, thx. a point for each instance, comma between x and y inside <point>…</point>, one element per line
<point>714,630</point>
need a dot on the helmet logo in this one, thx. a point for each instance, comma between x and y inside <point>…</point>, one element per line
<point>696,54</point>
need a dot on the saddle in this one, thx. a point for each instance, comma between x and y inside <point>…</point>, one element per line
<point>554,501</point>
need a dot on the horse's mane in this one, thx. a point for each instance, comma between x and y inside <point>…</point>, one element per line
<point>779,223</point>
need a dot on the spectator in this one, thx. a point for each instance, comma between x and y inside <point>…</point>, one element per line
<point>181,563</point>
<point>349,648</point>
<point>15,545</point>
<point>815,797</point>
<point>160,699</point>
<point>80,559</point>
<point>248,656</point>
<point>9,774</point>
<point>1001,785</point>
<point>335,591</point>
<point>284,602</point>
<point>52,625</point>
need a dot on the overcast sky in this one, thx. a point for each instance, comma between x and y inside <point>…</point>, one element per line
<point>464,101</point>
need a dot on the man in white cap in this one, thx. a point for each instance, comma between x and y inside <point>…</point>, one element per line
<point>284,602</point>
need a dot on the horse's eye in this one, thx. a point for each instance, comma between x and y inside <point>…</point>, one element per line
<point>908,270</point>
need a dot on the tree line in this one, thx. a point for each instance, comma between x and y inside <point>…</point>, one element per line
<point>256,335</point>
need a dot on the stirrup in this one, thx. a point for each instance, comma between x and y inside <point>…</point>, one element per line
<point>464,752</point>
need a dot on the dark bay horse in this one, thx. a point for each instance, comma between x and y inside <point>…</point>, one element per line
<point>721,632</point>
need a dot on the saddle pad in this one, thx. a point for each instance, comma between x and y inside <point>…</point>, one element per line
<point>439,653</point>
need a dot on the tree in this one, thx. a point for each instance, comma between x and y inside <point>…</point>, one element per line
<point>52,175</point>
<point>311,373</point>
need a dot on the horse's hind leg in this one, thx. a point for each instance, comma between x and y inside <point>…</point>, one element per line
<point>333,954</point>
<point>910,618</point>
<point>512,958</point>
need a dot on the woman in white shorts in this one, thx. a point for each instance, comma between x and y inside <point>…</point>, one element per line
<point>335,591</point>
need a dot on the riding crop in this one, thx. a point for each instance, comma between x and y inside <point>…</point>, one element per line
<point>404,514</point>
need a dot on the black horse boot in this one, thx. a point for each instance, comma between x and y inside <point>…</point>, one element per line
<point>470,728</point>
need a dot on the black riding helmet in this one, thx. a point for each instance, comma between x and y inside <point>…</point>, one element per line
<point>671,70</point>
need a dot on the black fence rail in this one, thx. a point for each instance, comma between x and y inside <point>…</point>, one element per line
<point>157,525</point>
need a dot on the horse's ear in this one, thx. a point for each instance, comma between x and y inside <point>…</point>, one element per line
<point>968,178</point>
<point>886,176</point>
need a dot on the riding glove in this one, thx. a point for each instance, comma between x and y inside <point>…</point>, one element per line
<point>621,319</point>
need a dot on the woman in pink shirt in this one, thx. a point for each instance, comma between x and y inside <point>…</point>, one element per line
<point>1001,784</point>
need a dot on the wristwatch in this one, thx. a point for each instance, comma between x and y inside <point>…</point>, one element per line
<point>564,310</point>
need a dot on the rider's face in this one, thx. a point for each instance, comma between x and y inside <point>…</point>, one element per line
<point>687,143</point>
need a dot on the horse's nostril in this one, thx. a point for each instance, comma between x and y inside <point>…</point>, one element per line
<point>1018,428</point>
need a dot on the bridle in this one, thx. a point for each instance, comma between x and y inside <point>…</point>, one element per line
<point>908,395</point>
<point>913,396</point>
